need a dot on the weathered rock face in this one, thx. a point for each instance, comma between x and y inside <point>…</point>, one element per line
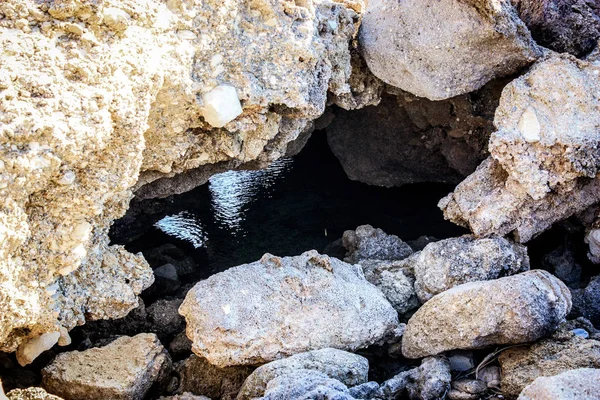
<point>544,156</point>
<point>124,369</point>
<point>93,93</point>
<point>368,243</point>
<point>452,262</point>
<point>407,139</point>
<point>510,310</point>
<point>579,383</point>
<point>277,307</point>
<point>522,365</point>
<point>348,368</point>
<point>565,26</point>
<point>306,384</point>
<point>395,281</point>
<point>586,301</point>
<point>432,52</point>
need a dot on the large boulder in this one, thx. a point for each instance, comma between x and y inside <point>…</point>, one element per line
<point>447,263</point>
<point>122,370</point>
<point>95,93</point>
<point>510,310</point>
<point>544,162</point>
<point>278,307</point>
<point>430,49</point>
<point>582,383</point>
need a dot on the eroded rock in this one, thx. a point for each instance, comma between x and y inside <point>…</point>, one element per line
<point>368,243</point>
<point>582,383</point>
<point>510,310</point>
<point>395,281</point>
<point>33,393</point>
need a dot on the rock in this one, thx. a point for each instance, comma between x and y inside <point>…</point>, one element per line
<point>565,26</point>
<point>469,386</point>
<point>221,105</point>
<point>306,384</point>
<point>368,243</point>
<point>406,139</point>
<point>490,375</point>
<point>395,281</point>
<point>521,366</point>
<point>33,393</point>
<point>32,348</point>
<point>447,263</point>
<point>593,239</point>
<point>198,376</point>
<point>561,261</point>
<point>348,368</point>
<point>116,104</point>
<point>461,361</point>
<point>184,396</point>
<point>582,383</point>
<point>587,301</point>
<point>124,369</point>
<point>164,317</point>
<point>277,307</point>
<point>510,310</point>
<point>166,282</point>
<point>181,346</point>
<point>531,182</point>
<point>366,391</point>
<point>431,51</point>
<point>431,380</point>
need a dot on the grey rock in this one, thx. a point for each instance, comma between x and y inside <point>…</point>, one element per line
<point>181,346</point>
<point>471,386</point>
<point>198,376</point>
<point>432,52</point>
<point>582,383</point>
<point>562,262</point>
<point>490,375</point>
<point>306,385</point>
<point>166,281</point>
<point>278,307</point>
<point>589,303</point>
<point>348,368</point>
<point>368,243</point>
<point>164,317</point>
<point>510,310</point>
<point>460,360</point>
<point>395,281</point>
<point>184,396</point>
<point>447,263</point>
<point>431,380</point>
<point>365,391</point>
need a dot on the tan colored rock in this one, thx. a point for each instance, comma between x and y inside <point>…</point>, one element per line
<point>30,394</point>
<point>510,310</point>
<point>544,163</point>
<point>582,383</point>
<point>124,369</point>
<point>94,93</point>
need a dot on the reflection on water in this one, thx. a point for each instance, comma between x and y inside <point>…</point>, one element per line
<point>184,226</point>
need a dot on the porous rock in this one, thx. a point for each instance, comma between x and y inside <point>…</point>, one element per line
<point>277,307</point>
<point>431,51</point>
<point>544,158</point>
<point>429,381</point>
<point>564,351</point>
<point>124,369</point>
<point>368,243</point>
<point>95,93</point>
<point>32,393</point>
<point>348,368</point>
<point>510,310</point>
<point>305,384</point>
<point>447,263</point>
<point>581,383</point>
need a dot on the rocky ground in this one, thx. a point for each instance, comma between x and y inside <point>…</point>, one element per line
<point>104,100</point>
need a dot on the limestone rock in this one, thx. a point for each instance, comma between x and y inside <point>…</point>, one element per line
<point>277,307</point>
<point>348,368</point>
<point>521,366</point>
<point>510,310</point>
<point>124,369</point>
<point>33,393</point>
<point>197,375</point>
<point>306,384</point>
<point>93,93</point>
<point>565,26</point>
<point>395,281</point>
<point>32,348</point>
<point>447,263</point>
<point>544,158</point>
<point>368,243</point>
<point>431,51</point>
<point>430,381</point>
<point>582,383</point>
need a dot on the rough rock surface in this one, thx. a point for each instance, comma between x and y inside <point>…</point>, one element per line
<point>33,393</point>
<point>432,51</point>
<point>586,301</point>
<point>123,370</point>
<point>544,157</point>
<point>564,351</point>
<point>565,26</point>
<point>510,310</point>
<point>447,263</point>
<point>348,368</point>
<point>306,384</point>
<point>395,281</point>
<point>277,307</point>
<point>408,139</point>
<point>196,375</point>
<point>368,243</point>
<point>430,381</point>
<point>94,92</point>
<point>185,396</point>
<point>582,383</point>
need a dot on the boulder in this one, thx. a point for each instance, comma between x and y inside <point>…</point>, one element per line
<point>278,307</point>
<point>544,159</point>
<point>510,310</point>
<point>429,381</point>
<point>522,365</point>
<point>306,384</point>
<point>348,368</point>
<point>395,281</point>
<point>124,369</point>
<point>582,383</point>
<point>198,376</point>
<point>447,263</point>
<point>431,51</point>
<point>32,393</point>
<point>368,243</point>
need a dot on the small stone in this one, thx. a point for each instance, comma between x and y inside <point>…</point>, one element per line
<point>582,333</point>
<point>368,243</point>
<point>461,361</point>
<point>430,381</point>
<point>583,383</point>
<point>529,126</point>
<point>221,105</point>
<point>395,281</point>
<point>472,386</point>
<point>491,376</point>
<point>32,348</point>
<point>365,391</point>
